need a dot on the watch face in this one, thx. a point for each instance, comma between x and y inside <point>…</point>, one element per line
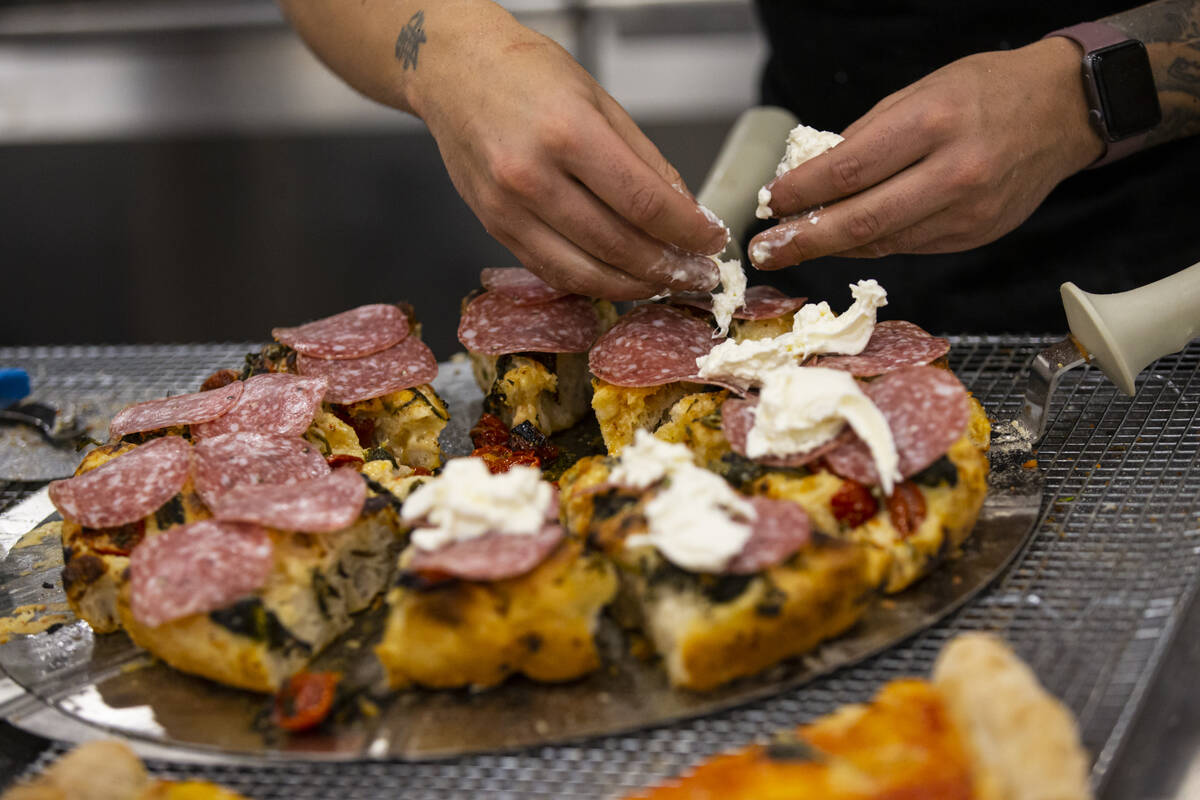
<point>1125,84</point>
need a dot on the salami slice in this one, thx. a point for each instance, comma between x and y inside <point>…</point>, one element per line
<point>762,302</point>
<point>737,418</point>
<point>408,364</point>
<point>234,459</point>
<point>126,488</point>
<point>197,568</point>
<point>317,505</point>
<point>494,324</point>
<point>780,529</point>
<point>350,334</point>
<point>274,402</point>
<point>651,345</point>
<point>926,408</point>
<point>491,557</point>
<point>519,284</point>
<point>184,409</point>
<point>893,344</point>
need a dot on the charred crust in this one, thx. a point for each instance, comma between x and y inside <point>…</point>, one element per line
<point>83,571</point>
<point>170,513</point>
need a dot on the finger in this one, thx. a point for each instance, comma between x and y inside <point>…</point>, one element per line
<point>596,229</point>
<point>610,168</point>
<point>877,152</point>
<point>640,143</point>
<point>925,237</point>
<point>554,259</point>
<point>856,222</point>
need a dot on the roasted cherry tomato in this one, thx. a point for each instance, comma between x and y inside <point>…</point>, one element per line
<point>906,507</point>
<point>343,460</point>
<point>489,431</point>
<point>305,700</point>
<point>853,504</point>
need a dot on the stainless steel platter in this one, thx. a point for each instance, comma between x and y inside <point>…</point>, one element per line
<point>105,682</point>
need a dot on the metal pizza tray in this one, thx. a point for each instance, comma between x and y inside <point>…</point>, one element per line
<point>106,682</point>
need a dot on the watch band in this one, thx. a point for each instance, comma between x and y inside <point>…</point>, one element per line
<point>1094,36</point>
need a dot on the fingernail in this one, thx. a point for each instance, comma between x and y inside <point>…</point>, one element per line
<point>760,253</point>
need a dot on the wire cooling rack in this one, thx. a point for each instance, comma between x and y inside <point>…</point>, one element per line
<point>1091,604</point>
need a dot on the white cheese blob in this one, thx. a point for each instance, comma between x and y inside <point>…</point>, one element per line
<point>466,501</point>
<point>800,408</point>
<point>733,294</point>
<point>803,143</point>
<point>815,330</point>
<point>695,519</point>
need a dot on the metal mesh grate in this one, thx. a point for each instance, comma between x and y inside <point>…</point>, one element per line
<point>1091,604</point>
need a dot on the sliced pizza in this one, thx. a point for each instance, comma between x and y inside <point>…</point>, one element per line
<point>491,585</point>
<point>721,585</point>
<point>528,345</point>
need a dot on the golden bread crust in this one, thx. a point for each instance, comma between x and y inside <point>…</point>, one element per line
<point>477,633</point>
<point>1024,742</point>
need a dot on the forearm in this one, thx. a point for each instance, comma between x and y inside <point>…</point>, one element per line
<point>1170,30</point>
<point>403,52</point>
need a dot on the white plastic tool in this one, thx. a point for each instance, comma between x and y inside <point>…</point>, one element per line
<point>1124,333</point>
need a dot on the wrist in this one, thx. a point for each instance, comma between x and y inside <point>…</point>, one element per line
<point>1059,60</point>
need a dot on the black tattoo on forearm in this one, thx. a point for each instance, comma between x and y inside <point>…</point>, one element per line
<point>409,42</point>
<point>1171,32</point>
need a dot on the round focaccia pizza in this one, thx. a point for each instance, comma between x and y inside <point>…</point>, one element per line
<point>982,729</point>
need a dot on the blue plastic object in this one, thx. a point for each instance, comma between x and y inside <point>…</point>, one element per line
<point>14,385</point>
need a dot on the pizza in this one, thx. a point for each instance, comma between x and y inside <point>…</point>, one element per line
<point>109,770</point>
<point>528,345</point>
<point>234,532</point>
<point>982,728</point>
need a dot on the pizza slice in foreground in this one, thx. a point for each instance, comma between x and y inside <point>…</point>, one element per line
<point>491,585</point>
<point>721,585</point>
<point>982,729</point>
<point>109,770</point>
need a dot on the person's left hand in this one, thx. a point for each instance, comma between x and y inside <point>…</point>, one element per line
<point>953,161</point>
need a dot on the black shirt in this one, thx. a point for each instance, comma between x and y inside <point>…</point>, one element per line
<point>1108,229</point>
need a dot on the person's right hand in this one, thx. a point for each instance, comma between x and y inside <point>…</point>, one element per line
<point>557,171</point>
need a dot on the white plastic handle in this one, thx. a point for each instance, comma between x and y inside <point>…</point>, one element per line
<point>1124,332</point>
<point>746,162</point>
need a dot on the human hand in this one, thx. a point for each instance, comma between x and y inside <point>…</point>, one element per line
<point>953,161</point>
<point>558,172</point>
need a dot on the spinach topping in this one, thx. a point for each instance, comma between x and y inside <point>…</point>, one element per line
<point>250,618</point>
<point>937,473</point>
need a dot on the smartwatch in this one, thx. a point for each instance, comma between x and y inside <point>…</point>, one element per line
<point>1122,99</point>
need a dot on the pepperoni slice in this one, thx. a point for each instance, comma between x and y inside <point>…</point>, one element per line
<point>408,364</point>
<point>780,529</point>
<point>126,488</point>
<point>184,409</point>
<point>233,459</point>
<point>317,505</point>
<point>737,418</point>
<point>652,345</point>
<point>893,344</point>
<point>519,284</point>
<point>762,302</point>
<point>926,408</point>
<point>197,568</point>
<point>350,334</point>
<point>491,557</point>
<point>494,324</point>
<point>274,402</point>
